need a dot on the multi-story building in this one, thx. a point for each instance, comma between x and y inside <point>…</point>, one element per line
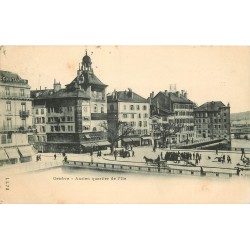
<point>39,120</point>
<point>212,120</point>
<point>131,109</point>
<point>74,114</point>
<point>177,103</point>
<point>15,119</point>
<point>161,123</point>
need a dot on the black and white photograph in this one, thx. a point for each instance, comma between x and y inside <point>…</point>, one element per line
<point>124,124</point>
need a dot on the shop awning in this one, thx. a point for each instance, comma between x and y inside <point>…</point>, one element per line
<point>135,139</point>
<point>103,143</point>
<point>87,136</point>
<point>3,155</point>
<point>88,144</point>
<point>26,151</point>
<point>12,153</point>
<point>127,139</point>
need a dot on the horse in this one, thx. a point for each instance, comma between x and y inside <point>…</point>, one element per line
<point>148,160</point>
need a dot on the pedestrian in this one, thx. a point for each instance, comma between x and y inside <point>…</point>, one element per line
<point>196,161</point>
<point>238,171</point>
<point>65,158</point>
<point>161,156</point>
<point>54,156</point>
<point>202,171</point>
<point>229,159</point>
<point>37,158</point>
<point>40,158</point>
<point>133,153</point>
<point>216,151</point>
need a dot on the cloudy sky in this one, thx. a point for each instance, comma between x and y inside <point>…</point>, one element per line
<point>206,72</point>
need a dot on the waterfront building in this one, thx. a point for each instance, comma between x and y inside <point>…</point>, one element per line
<point>212,120</point>
<point>181,108</point>
<point>133,110</point>
<point>161,123</point>
<point>15,119</point>
<point>74,114</point>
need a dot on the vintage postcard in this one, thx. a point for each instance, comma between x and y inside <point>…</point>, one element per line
<point>124,124</point>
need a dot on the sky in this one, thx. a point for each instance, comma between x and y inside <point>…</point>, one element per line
<point>207,73</point>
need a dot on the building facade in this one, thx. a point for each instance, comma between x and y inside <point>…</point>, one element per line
<point>212,120</point>
<point>133,110</point>
<point>15,119</point>
<point>181,108</point>
<point>74,114</point>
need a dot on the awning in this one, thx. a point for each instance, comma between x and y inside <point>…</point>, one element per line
<point>126,139</point>
<point>3,155</point>
<point>135,139</point>
<point>26,151</point>
<point>87,136</point>
<point>103,143</point>
<point>147,138</point>
<point>88,144</point>
<point>12,153</point>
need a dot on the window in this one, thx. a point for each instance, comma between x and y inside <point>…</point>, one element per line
<point>138,107</point>
<point>145,115</point>
<point>145,123</point>
<point>144,107</point>
<point>21,92</point>
<point>23,106</point>
<point>95,108</point>
<point>9,123</point>
<point>94,129</point>
<point>124,107</point>
<point>70,128</point>
<point>43,119</point>
<point>102,109</point>
<point>63,128</point>
<point>7,91</point>
<point>8,106</point>
<point>69,118</point>
<point>63,119</point>
<point>37,111</point>
<point>42,111</point>
<point>52,129</point>
<point>124,115</point>
<point>140,123</point>
<point>139,115</point>
<point>132,107</point>
<point>85,109</point>
<point>132,116</point>
<point>70,109</point>
<point>43,129</point>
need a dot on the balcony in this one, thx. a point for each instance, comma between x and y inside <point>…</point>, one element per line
<point>24,114</point>
<point>14,96</point>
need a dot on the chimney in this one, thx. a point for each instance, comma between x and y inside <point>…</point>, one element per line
<point>185,94</point>
<point>130,93</point>
<point>57,86</point>
<point>178,93</point>
<point>153,94</point>
<point>182,92</point>
<point>40,88</point>
<point>166,92</point>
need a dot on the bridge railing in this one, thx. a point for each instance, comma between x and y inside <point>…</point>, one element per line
<point>225,172</point>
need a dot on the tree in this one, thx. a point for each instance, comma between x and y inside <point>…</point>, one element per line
<point>116,131</point>
<point>167,129</point>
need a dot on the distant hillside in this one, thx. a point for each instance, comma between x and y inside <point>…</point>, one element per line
<point>240,116</point>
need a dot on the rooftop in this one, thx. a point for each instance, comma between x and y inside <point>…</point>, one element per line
<point>211,106</point>
<point>126,96</point>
